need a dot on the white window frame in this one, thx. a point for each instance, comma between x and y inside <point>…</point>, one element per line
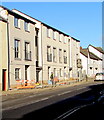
<point>48,32</point>
<point>54,35</point>
<point>17,49</point>
<point>54,54</point>
<point>26,26</point>
<point>65,39</point>
<point>28,51</point>
<point>17,74</point>
<point>16,22</point>
<point>60,55</point>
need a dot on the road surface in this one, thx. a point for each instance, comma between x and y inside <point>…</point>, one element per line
<point>50,103</point>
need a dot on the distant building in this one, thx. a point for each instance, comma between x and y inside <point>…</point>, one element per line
<point>91,61</point>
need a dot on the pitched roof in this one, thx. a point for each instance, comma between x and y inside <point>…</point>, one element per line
<point>2,19</point>
<point>91,55</point>
<point>98,48</point>
<point>84,52</point>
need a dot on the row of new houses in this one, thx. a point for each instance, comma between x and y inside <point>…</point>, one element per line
<point>32,50</point>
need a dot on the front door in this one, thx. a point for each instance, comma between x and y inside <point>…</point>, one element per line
<point>4,80</point>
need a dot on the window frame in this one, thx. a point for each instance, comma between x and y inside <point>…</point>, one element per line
<point>28,51</point>
<point>54,54</point>
<point>16,49</point>
<point>48,32</point>
<point>17,74</point>
<point>16,22</point>
<point>26,26</point>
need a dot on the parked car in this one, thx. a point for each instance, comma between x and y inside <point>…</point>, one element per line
<point>99,77</point>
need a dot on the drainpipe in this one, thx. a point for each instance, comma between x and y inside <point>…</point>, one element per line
<point>8,55</point>
<point>42,56</point>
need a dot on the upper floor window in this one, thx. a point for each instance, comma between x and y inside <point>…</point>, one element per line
<point>26,26</point>
<point>54,54</point>
<point>17,48</point>
<point>48,32</point>
<point>60,55</point>
<point>65,57</point>
<point>49,54</point>
<point>65,39</point>
<point>27,51</point>
<point>54,35</point>
<point>16,22</point>
<point>60,37</point>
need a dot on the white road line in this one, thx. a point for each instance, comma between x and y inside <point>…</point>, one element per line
<point>23,104</point>
<point>80,88</point>
<point>64,93</point>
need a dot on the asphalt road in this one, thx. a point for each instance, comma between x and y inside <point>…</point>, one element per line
<point>50,103</point>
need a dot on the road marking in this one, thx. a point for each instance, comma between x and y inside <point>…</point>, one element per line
<point>68,113</point>
<point>80,88</point>
<point>23,104</point>
<point>64,93</point>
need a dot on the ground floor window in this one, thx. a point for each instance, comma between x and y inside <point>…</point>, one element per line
<point>17,73</point>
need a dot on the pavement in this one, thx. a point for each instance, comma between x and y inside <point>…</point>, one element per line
<point>41,88</point>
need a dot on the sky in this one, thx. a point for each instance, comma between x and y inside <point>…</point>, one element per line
<point>81,20</point>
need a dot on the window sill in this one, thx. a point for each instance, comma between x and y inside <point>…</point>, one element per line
<point>27,60</point>
<point>17,27</point>
<point>27,31</point>
<point>18,59</point>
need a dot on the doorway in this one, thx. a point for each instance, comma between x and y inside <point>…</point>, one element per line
<point>4,80</point>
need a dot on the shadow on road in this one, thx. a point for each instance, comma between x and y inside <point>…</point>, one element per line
<point>51,111</point>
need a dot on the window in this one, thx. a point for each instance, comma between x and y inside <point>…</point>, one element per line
<point>65,39</point>
<point>16,22</point>
<point>54,72</point>
<point>26,26</point>
<point>96,68</point>
<point>60,55</point>
<point>49,55</point>
<point>17,48</point>
<point>54,54</point>
<point>27,51</point>
<point>17,73</point>
<point>60,37</point>
<point>54,35</point>
<point>48,32</point>
<point>65,57</point>
<point>60,72</point>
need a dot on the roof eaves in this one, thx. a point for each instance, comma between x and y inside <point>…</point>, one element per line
<point>75,39</point>
<point>13,13</point>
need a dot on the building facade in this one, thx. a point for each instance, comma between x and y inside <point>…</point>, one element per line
<point>91,63</point>
<point>55,51</point>
<point>3,50</point>
<point>74,57</point>
<point>35,50</point>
